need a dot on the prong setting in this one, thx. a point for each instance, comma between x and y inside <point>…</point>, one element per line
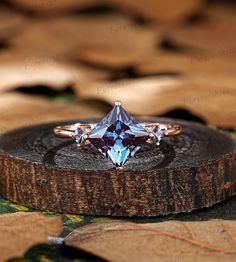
<point>119,168</point>
<point>118,103</point>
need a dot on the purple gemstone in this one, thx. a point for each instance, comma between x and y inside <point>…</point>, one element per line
<point>118,136</point>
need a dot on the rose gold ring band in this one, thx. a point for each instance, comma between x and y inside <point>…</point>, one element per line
<point>68,131</point>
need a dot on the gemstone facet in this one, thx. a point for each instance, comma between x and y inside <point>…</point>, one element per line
<point>118,136</point>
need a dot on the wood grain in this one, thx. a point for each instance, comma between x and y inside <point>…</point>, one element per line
<point>194,170</point>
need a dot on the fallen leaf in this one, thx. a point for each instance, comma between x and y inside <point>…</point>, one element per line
<point>218,63</point>
<point>156,10</point>
<point>28,70</point>
<point>209,71</point>
<point>18,110</point>
<point>53,6</point>
<point>113,41</point>
<point>213,102</point>
<point>204,36</point>
<point>159,10</point>
<point>214,33</point>
<point>167,241</point>
<point>221,14</point>
<point>11,22</point>
<point>20,231</point>
<point>110,40</point>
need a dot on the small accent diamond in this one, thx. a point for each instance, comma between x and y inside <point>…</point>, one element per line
<point>79,136</point>
<point>158,134</point>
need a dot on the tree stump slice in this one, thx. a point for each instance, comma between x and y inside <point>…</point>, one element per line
<point>193,170</point>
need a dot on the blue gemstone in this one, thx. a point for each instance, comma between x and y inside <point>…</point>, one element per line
<point>118,136</point>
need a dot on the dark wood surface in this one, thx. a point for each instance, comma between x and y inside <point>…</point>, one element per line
<point>194,170</point>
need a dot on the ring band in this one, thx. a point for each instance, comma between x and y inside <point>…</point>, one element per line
<point>118,136</point>
<point>68,131</point>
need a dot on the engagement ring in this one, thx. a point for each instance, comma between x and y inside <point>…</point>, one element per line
<point>118,136</point>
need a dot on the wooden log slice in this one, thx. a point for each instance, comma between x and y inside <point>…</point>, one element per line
<point>193,170</point>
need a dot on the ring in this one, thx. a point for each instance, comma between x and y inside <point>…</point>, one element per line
<point>118,136</point>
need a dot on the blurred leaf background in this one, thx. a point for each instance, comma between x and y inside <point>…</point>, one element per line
<point>76,57</point>
<point>71,59</point>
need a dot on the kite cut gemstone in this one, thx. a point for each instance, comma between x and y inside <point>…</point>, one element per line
<point>118,136</point>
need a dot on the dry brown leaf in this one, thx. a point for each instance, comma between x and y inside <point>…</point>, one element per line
<point>17,110</point>
<point>10,22</point>
<point>167,10</point>
<point>210,241</point>
<point>20,231</point>
<point>211,37</point>
<point>218,63</point>
<point>107,40</point>
<point>221,14</point>
<point>113,40</point>
<point>215,34</point>
<point>159,10</point>
<point>29,70</point>
<point>214,102</point>
<point>54,5</point>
